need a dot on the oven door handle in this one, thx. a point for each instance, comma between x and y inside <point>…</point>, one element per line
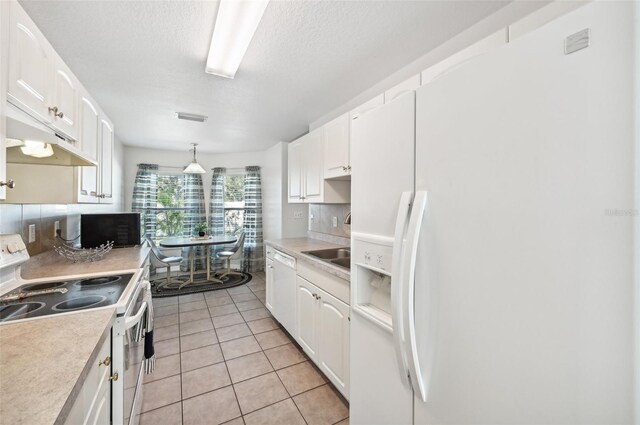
<point>130,322</point>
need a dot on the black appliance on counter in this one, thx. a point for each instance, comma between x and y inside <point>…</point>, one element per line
<point>121,228</point>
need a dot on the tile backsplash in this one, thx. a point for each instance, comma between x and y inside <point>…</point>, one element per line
<point>16,218</point>
<point>323,216</point>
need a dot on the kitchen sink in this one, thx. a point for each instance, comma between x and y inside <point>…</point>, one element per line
<point>338,256</point>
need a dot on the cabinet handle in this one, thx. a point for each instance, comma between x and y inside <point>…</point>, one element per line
<point>9,183</point>
<point>270,266</point>
<point>106,361</point>
<point>55,112</point>
<point>114,377</point>
<point>349,168</point>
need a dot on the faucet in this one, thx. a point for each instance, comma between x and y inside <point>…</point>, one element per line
<point>347,219</point>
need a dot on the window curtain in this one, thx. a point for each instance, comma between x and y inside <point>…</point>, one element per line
<point>216,212</point>
<point>253,252</point>
<point>195,214</point>
<point>145,198</point>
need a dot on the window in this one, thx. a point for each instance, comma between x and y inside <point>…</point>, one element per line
<point>170,212</point>
<point>233,203</point>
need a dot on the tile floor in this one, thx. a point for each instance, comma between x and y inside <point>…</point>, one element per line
<point>222,359</point>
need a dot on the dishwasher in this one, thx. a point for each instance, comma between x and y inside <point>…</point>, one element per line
<point>281,288</point>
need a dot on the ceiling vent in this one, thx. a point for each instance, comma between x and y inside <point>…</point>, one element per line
<point>191,117</point>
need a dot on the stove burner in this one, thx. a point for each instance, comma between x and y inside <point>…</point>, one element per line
<point>79,303</point>
<point>41,286</point>
<point>96,281</point>
<point>14,311</point>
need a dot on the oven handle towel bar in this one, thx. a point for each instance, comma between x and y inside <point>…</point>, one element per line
<point>144,329</point>
<point>132,321</point>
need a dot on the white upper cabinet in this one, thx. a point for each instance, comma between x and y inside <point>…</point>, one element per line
<point>336,148</point>
<point>30,65</point>
<point>366,107</point>
<point>4,50</point>
<point>406,86</point>
<point>66,93</point>
<point>107,140</point>
<point>313,169</point>
<point>296,158</point>
<point>89,136</point>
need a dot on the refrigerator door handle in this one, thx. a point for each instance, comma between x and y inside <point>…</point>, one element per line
<point>398,284</point>
<point>409,268</point>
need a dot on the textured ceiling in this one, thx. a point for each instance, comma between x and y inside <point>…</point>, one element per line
<point>144,60</point>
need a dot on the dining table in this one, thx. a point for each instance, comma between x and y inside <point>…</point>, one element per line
<point>196,241</point>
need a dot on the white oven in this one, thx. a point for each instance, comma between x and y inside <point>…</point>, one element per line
<point>128,357</point>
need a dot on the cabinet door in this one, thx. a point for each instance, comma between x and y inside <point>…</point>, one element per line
<point>333,340</point>
<point>4,52</point>
<point>106,162</point>
<point>336,147</point>
<point>89,137</point>
<point>313,168</point>
<point>295,162</point>
<point>269,286</point>
<point>65,99</point>
<point>30,65</point>
<point>306,316</point>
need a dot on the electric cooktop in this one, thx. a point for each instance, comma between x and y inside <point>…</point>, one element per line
<point>43,299</point>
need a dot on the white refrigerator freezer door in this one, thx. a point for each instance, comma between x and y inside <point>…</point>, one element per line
<point>523,152</point>
<point>382,157</point>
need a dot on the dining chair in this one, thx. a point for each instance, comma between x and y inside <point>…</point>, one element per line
<point>158,259</point>
<point>232,253</point>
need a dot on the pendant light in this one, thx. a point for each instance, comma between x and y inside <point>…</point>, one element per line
<point>194,167</point>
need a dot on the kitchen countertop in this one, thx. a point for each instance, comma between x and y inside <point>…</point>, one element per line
<point>50,264</point>
<point>295,247</point>
<point>43,364</point>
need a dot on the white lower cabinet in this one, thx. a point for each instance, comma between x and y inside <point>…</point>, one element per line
<point>323,332</point>
<point>269,284</point>
<point>93,402</point>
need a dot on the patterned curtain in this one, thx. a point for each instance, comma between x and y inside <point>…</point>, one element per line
<point>216,212</point>
<point>253,255</point>
<point>195,212</point>
<point>145,197</point>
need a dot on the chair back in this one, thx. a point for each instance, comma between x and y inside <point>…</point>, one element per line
<point>237,247</point>
<point>154,249</point>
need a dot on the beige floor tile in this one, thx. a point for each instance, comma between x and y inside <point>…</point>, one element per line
<point>205,379</point>
<point>233,332</point>
<point>189,298</point>
<point>281,413</point>
<point>190,316</point>
<point>345,422</point>
<point>197,340</point>
<point>249,366</point>
<point>196,326</point>
<point>165,311</point>
<point>321,406</point>
<point>239,347</point>
<point>257,286</point>
<point>160,322</point>
<point>195,305</point>
<point>263,325</point>
<point>242,289</point>
<point>258,313</point>
<point>165,367</point>
<point>259,392</point>
<point>248,296</point>
<point>285,355</point>
<point>272,339</point>
<point>236,421</point>
<point>168,415</point>
<point>223,310</point>
<point>162,302</point>
<point>215,302</point>
<point>260,293</point>
<point>249,305</point>
<point>168,332</point>
<point>301,377</point>
<point>201,357</point>
<point>161,393</point>
<point>167,347</point>
<point>227,320</point>
<point>216,294</point>
<point>213,408</point>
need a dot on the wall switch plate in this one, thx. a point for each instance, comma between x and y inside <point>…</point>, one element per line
<point>334,220</point>
<point>311,218</point>
<point>56,227</point>
<point>297,214</point>
<point>32,233</point>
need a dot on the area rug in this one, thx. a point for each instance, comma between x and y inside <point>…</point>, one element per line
<point>200,284</point>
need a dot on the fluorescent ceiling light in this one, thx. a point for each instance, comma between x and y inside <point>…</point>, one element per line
<point>236,23</point>
<point>194,167</point>
<point>36,149</point>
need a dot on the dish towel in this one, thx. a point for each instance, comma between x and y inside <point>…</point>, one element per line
<point>145,329</point>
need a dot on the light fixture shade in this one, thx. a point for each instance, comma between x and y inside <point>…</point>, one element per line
<point>194,168</point>
<point>37,149</point>
<point>236,24</point>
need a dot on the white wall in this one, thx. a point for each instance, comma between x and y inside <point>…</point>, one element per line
<point>276,221</point>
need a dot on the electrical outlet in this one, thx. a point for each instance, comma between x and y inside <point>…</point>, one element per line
<point>32,233</point>
<point>297,214</point>
<point>312,219</point>
<point>56,227</point>
<point>334,220</point>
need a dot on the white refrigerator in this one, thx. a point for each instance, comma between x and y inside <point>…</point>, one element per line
<point>494,239</point>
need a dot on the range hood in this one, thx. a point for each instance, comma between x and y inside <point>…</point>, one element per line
<point>23,126</point>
